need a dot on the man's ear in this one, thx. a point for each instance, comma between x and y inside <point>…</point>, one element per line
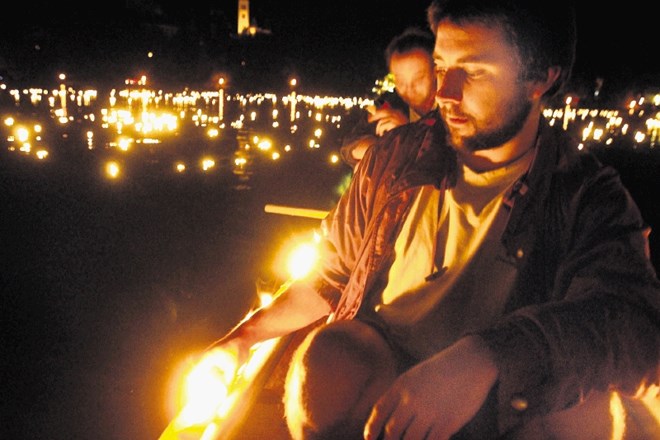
<point>542,86</point>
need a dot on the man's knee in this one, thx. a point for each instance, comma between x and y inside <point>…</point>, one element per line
<point>346,343</point>
<point>335,377</point>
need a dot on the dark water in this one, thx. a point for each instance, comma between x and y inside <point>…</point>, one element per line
<point>107,287</point>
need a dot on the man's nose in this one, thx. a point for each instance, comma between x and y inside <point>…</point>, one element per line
<point>450,85</point>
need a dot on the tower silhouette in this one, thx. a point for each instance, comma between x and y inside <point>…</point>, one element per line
<point>243,17</point>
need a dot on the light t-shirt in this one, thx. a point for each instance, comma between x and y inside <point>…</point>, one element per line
<point>456,242</point>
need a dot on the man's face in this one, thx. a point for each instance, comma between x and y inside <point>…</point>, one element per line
<point>480,95</point>
<point>414,79</point>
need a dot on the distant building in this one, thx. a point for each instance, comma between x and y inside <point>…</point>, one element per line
<point>245,27</point>
<point>243,17</point>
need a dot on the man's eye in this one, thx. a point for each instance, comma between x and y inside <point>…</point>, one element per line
<point>475,73</point>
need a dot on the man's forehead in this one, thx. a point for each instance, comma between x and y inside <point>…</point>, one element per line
<point>474,40</point>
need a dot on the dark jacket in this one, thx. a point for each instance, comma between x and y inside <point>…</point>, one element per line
<point>584,312</point>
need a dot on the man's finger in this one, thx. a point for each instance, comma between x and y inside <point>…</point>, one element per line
<point>376,422</point>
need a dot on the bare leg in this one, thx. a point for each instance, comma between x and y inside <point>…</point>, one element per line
<point>336,375</point>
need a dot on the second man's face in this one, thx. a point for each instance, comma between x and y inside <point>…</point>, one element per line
<point>414,79</point>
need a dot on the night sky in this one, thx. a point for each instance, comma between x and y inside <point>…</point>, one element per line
<point>335,47</point>
<point>616,42</point>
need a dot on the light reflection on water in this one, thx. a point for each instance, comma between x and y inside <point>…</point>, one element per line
<point>135,130</point>
<point>149,131</point>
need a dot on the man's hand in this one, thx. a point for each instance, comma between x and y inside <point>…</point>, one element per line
<point>238,347</point>
<point>437,397</point>
<point>386,118</point>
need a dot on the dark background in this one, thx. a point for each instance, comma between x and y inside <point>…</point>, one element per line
<point>332,47</point>
<point>105,289</point>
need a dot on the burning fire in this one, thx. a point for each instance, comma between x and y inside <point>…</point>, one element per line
<point>214,385</point>
<point>212,388</point>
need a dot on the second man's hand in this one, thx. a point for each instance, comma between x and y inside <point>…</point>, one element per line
<point>387,118</point>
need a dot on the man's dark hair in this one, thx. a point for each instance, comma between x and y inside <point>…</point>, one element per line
<point>410,39</point>
<point>544,32</point>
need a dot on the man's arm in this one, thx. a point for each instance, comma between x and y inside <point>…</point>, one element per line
<point>295,308</point>
<point>352,151</point>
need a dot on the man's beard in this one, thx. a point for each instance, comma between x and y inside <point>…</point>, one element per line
<point>495,137</point>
